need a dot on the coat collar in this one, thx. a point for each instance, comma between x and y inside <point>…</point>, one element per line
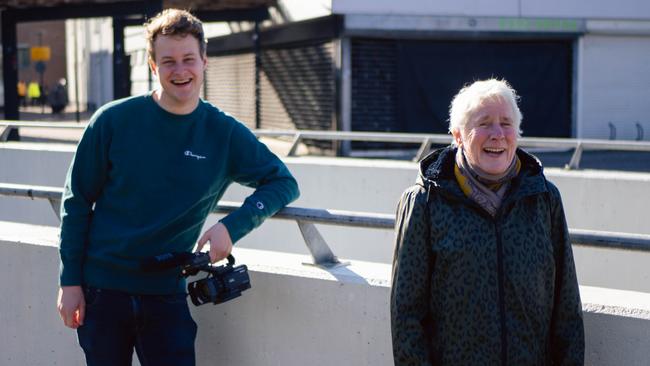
<point>436,171</point>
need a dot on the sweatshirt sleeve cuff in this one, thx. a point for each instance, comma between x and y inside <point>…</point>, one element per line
<point>70,274</point>
<point>237,225</point>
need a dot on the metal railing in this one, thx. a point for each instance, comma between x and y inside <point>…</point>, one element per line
<point>424,140</point>
<point>36,124</point>
<point>322,255</point>
<point>7,126</point>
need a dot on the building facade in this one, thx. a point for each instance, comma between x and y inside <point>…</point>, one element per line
<point>582,68</point>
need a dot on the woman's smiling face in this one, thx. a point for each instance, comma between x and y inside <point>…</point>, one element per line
<point>489,138</point>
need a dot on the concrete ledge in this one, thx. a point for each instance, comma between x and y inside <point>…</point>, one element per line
<point>616,302</point>
<point>617,326</point>
<point>293,315</point>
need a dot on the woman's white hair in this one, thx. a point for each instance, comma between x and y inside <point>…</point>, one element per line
<point>471,97</point>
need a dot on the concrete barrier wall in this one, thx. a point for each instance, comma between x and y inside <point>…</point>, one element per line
<point>598,200</point>
<point>615,201</point>
<point>33,164</point>
<point>293,315</point>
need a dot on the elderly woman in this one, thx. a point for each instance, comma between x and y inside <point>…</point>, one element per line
<point>483,272</point>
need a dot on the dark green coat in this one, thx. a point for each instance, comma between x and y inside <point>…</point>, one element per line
<point>470,289</point>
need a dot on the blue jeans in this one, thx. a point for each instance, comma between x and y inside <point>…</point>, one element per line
<point>160,328</point>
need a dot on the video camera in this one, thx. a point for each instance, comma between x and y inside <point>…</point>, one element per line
<point>222,283</point>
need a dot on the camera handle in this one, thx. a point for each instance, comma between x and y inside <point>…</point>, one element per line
<point>231,260</point>
<point>212,270</point>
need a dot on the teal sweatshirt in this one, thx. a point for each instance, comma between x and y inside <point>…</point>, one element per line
<point>142,183</point>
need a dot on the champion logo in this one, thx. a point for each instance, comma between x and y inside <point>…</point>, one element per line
<point>192,155</point>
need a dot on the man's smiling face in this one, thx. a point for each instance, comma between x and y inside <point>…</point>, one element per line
<point>179,66</point>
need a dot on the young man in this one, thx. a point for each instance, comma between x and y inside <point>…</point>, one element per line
<point>147,172</point>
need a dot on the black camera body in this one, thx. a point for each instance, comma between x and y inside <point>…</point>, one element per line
<point>222,283</point>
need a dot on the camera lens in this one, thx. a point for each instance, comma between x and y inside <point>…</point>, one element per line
<point>209,289</point>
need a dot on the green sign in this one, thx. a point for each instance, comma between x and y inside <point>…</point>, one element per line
<point>538,25</point>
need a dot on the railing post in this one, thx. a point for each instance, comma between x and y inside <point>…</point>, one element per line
<point>56,206</point>
<point>423,150</point>
<point>612,131</point>
<point>575,159</point>
<point>294,145</point>
<point>320,251</point>
<point>4,132</point>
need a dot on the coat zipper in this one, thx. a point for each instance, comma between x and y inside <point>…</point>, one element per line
<point>500,274</point>
<point>500,267</point>
<point>502,305</point>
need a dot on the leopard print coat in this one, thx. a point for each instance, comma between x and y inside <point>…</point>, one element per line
<point>472,289</point>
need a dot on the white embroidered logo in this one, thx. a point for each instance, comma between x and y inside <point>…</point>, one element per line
<point>191,155</point>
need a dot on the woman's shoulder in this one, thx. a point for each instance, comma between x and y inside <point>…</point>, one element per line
<point>554,192</point>
<point>414,192</point>
<point>413,198</point>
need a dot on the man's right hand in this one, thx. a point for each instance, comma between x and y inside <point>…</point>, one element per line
<point>72,306</point>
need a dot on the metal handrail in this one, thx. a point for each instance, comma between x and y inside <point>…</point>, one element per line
<point>425,140</point>
<point>320,216</point>
<point>323,216</point>
<point>306,217</point>
<point>535,142</point>
<point>65,125</point>
<point>31,191</point>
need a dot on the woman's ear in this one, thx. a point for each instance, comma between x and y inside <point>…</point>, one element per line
<point>458,138</point>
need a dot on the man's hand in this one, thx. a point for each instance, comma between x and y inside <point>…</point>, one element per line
<point>220,243</point>
<point>72,306</point>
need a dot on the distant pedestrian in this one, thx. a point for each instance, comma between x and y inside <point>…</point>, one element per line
<point>22,93</point>
<point>45,93</point>
<point>58,97</point>
<point>33,92</point>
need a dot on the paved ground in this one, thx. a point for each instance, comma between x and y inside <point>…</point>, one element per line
<point>36,113</point>
<point>603,160</point>
<point>72,136</point>
<point>609,160</point>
